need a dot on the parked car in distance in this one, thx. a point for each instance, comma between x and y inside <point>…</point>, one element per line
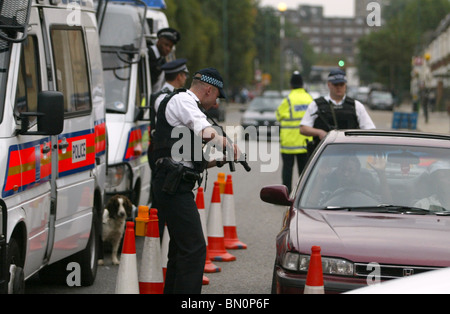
<point>377,204</point>
<point>259,120</point>
<point>381,100</point>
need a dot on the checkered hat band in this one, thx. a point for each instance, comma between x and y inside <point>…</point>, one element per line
<point>337,77</point>
<point>212,81</point>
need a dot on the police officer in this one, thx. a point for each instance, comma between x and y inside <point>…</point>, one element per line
<point>176,74</point>
<point>176,175</point>
<point>290,114</point>
<point>335,111</point>
<point>167,39</point>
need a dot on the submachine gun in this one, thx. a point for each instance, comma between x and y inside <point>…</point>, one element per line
<point>229,149</point>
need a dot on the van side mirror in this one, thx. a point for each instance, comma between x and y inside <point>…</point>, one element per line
<point>50,115</point>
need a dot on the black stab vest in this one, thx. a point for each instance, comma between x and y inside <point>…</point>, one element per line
<point>346,117</point>
<point>163,142</point>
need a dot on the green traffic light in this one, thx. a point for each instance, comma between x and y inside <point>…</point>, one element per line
<point>341,63</point>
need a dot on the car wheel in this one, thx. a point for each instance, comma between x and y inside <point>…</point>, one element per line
<point>16,283</point>
<point>88,258</point>
<point>274,280</point>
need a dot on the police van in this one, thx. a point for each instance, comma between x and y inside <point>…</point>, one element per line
<point>52,138</point>
<point>123,30</point>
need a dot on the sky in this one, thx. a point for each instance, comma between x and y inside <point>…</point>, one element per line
<point>332,8</point>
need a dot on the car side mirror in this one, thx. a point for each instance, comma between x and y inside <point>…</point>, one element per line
<point>50,115</point>
<point>276,194</point>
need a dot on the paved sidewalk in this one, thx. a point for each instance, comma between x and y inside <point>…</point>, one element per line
<point>438,122</point>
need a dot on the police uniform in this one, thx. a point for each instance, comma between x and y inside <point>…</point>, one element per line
<point>176,66</point>
<point>326,114</point>
<point>173,183</point>
<point>293,144</point>
<point>173,67</point>
<point>157,61</point>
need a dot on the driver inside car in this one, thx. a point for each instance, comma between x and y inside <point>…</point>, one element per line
<point>349,178</point>
<point>439,199</point>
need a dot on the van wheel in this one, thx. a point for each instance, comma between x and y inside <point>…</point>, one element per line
<point>88,258</point>
<point>16,283</point>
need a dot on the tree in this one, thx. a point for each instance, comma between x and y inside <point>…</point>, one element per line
<point>385,55</point>
<point>217,34</point>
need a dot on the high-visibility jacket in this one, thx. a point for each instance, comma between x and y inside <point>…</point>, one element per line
<point>290,114</point>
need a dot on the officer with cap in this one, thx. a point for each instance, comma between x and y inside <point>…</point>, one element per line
<point>176,74</point>
<point>167,39</point>
<point>293,144</point>
<point>178,151</point>
<point>336,111</point>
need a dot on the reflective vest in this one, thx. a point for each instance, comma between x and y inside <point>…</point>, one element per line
<point>290,113</point>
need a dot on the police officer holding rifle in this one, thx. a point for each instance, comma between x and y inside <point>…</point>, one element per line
<point>181,130</point>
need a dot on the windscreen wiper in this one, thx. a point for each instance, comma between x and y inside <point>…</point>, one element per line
<point>394,209</point>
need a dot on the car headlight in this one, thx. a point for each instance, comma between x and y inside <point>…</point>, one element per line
<point>118,177</point>
<point>330,266</point>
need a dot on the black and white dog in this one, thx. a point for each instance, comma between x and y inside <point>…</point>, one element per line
<point>117,210</point>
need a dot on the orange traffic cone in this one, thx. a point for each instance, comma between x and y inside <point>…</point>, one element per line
<point>127,277</point>
<point>165,251</point>
<point>216,243</point>
<point>221,180</point>
<point>151,279</point>
<point>200,201</point>
<point>229,219</point>
<point>314,279</point>
<point>141,220</point>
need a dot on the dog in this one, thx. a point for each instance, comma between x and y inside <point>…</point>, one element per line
<point>115,214</point>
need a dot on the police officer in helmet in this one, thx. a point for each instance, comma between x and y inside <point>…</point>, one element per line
<point>293,144</point>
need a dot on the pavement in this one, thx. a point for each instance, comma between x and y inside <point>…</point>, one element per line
<point>438,122</point>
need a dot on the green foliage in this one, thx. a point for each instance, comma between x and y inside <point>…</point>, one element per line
<point>385,55</point>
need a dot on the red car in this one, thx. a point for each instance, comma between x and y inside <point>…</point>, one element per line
<point>376,202</point>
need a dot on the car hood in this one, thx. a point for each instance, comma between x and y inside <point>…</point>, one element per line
<point>374,237</point>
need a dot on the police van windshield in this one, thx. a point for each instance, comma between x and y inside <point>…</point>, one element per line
<point>116,75</point>
<point>371,176</point>
<point>4,62</point>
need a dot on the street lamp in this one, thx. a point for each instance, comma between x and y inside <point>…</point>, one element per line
<point>282,7</point>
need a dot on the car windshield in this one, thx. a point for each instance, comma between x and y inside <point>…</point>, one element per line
<point>379,178</point>
<point>116,75</point>
<point>265,103</point>
<point>4,62</point>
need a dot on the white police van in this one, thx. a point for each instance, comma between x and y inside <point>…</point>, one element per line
<point>123,30</point>
<point>52,135</point>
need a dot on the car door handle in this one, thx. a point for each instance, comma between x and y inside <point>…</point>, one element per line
<point>45,148</point>
<point>64,144</point>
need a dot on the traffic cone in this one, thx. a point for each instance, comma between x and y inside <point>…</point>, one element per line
<point>229,219</point>
<point>141,220</point>
<point>200,201</point>
<point>165,251</point>
<point>216,242</point>
<point>127,277</point>
<point>221,180</point>
<point>151,279</point>
<point>314,278</point>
